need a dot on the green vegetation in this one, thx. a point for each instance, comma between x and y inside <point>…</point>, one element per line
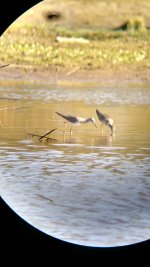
<point>125,44</point>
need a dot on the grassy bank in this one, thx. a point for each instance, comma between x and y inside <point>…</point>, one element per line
<point>113,41</point>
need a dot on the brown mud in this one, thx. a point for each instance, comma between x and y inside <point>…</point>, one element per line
<point>52,75</point>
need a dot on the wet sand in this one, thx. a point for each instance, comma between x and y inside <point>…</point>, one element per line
<point>56,74</point>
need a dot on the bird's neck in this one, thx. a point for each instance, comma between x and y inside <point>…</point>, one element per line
<point>87,120</point>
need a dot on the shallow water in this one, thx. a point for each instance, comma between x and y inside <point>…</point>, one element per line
<point>90,188</point>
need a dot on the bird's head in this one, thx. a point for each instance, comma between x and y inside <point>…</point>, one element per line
<point>92,120</point>
<point>112,127</point>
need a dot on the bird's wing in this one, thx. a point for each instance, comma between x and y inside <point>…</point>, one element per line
<point>69,118</point>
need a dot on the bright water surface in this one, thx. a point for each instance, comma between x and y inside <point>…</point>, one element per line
<point>89,188</point>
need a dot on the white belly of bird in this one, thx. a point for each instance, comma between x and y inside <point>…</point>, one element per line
<point>80,121</point>
<point>111,121</point>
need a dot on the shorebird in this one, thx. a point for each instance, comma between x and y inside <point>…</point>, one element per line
<point>105,119</point>
<point>76,120</point>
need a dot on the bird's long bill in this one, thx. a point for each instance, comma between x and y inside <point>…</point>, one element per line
<point>95,124</point>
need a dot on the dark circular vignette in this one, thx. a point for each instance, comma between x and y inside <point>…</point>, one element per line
<point>11,10</point>
<point>21,240</point>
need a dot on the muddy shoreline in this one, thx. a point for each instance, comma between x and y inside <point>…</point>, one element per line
<point>54,75</point>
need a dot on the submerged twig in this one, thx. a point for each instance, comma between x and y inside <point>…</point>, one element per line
<point>46,198</point>
<point>72,71</point>
<point>4,66</point>
<point>47,133</point>
<point>37,135</point>
<point>32,134</point>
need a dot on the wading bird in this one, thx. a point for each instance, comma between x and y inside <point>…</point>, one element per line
<point>105,119</point>
<point>76,120</point>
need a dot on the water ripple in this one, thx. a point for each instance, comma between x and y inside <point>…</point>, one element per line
<point>103,95</point>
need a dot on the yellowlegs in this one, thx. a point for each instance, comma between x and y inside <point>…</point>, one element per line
<point>105,119</point>
<point>76,120</point>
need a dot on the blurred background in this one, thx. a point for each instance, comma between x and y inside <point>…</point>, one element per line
<point>100,14</point>
<point>81,34</point>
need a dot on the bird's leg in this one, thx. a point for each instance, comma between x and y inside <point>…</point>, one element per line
<point>71,130</point>
<point>65,127</point>
<point>102,128</point>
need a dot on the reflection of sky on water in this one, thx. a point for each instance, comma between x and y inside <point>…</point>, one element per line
<point>97,197</point>
<point>96,202</point>
<point>88,188</point>
<point>91,94</point>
